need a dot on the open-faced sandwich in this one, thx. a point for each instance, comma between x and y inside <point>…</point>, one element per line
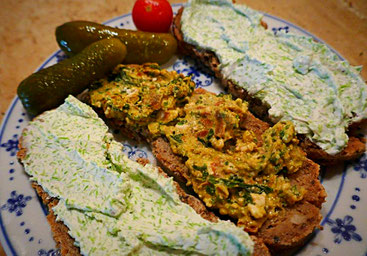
<point>237,165</point>
<point>283,76</point>
<point>102,203</point>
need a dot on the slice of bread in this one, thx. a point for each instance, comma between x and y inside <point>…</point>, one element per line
<point>288,230</point>
<point>355,147</point>
<point>66,243</point>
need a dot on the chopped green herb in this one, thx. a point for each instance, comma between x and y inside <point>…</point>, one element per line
<point>200,168</point>
<point>210,134</point>
<point>182,122</point>
<point>282,133</point>
<point>210,189</point>
<point>236,182</point>
<point>177,137</point>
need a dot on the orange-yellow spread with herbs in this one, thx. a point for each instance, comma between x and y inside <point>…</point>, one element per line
<point>141,94</point>
<point>230,168</point>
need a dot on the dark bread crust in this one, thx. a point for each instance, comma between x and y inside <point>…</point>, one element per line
<point>355,147</point>
<point>60,232</point>
<point>292,227</point>
<point>66,243</point>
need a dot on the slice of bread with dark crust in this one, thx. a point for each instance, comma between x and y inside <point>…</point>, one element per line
<point>355,147</point>
<point>289,229</point>
<point>66,243</point>
<point>303,217</point>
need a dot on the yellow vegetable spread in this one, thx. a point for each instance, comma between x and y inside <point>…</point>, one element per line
<point>140,94</point>
<point>242,174</point>
<point>230,169</point>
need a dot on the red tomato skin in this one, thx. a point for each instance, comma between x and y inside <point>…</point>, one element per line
<point>152,15</point>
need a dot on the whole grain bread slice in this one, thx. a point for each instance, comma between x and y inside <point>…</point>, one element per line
<point>355,147</point>
<point>292,227</point>
<point>287,231</point>
<point>66,244</point>
<point>303,217</point>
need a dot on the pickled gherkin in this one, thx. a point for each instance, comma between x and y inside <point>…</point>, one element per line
<point>142,47</point>
<point>47,88</point>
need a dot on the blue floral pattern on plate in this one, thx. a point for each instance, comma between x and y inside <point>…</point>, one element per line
<point>133,152</point>
<point>344,229</point>
<point>12,145</point>
<point>16,203</point>
<point>199,74</point>
<point>361,166</point>
<point>51,252</point>
<point>279,29</point>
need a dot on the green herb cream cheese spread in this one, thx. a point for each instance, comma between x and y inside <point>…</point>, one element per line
<point>112,205</point>
<point>299,79</point>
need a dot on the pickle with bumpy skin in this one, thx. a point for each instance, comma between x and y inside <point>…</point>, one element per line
<point>142,47</point>
<point>47,88</point>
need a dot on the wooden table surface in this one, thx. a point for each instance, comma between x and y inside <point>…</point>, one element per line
<point>27,30</point>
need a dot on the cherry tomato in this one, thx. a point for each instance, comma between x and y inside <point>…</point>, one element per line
<point>152,15</point>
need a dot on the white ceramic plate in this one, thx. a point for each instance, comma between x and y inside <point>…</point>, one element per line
<point>24,229</point>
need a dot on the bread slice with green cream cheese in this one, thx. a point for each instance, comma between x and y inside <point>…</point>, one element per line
<point>102,203</point>
<point>283,76</point>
